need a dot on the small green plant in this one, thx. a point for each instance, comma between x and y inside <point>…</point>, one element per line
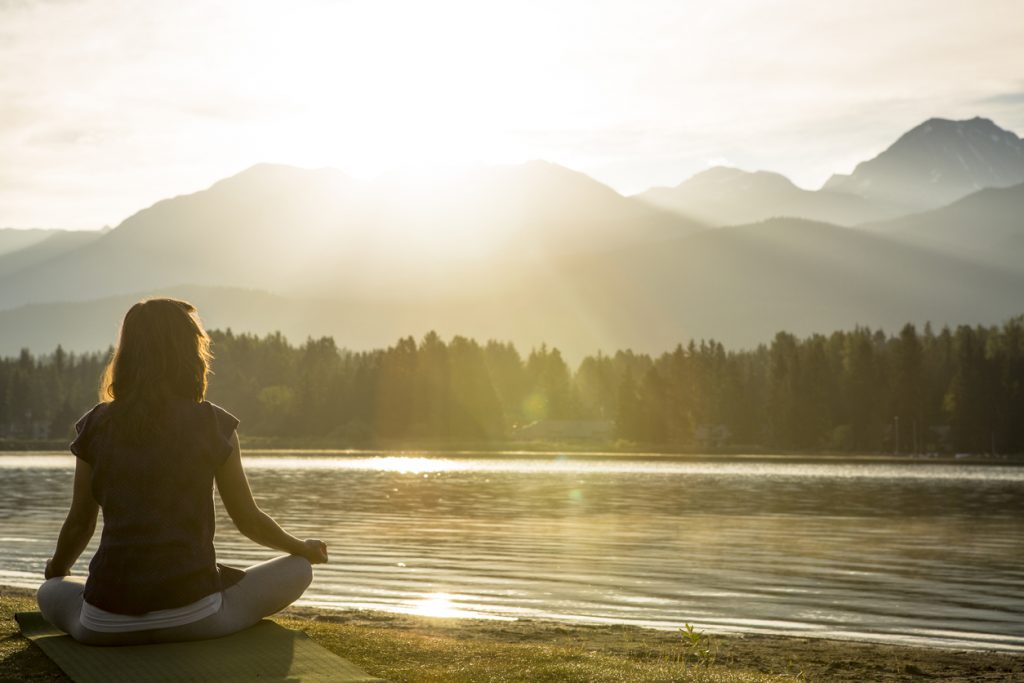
<point>698,646</point>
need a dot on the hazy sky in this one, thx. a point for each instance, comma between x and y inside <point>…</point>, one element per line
<point>107,106</point>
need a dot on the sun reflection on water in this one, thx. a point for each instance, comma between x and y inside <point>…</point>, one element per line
<point>402,464</point>
<point>442,606</point>
<point>405,464</point>
<point>436,605</point>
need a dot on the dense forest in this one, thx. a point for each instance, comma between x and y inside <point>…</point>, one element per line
<point>859,390</point>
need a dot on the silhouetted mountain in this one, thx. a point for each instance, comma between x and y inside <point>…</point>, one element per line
<point>313,231</point>
<point>729,196</point>
<point>12,239</point>
<point>739,285</point>
<point>987,226</point>
<point>51,244</point>
<point>744,283</point>
<point>527,253</point>
<point>937,163</point>
<point>93,325</point>
<point>934,164</point>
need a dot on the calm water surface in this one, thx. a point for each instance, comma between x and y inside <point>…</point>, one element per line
<point>919,553</point>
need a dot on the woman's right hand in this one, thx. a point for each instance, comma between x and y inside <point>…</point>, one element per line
<point>52,572</point>
<point>315,550</point>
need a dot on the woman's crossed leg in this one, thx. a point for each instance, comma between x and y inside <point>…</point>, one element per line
<point>265,589</point>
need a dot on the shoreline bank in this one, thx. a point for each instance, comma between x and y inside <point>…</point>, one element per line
<point>542,446</point>
<point>415,648</point>
<point>556,452</point>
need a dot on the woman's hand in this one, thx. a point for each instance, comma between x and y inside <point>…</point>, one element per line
<point>51,572</point>
<point>315,550</point>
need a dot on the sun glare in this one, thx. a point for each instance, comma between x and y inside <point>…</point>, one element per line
<point>412,465</point>
<point>400,464</point>
<point>443,606</point>
<point>428,94</point>
<point>437,605</point>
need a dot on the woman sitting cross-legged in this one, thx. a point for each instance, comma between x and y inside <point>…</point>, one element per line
<point>149,456</point>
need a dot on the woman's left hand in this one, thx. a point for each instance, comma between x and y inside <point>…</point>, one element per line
<point>315,550</point>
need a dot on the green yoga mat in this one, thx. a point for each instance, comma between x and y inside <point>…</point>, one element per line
<point>265,652</point>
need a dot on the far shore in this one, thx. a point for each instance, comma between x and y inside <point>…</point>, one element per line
<point>413,648</point>
<point>543,450</point>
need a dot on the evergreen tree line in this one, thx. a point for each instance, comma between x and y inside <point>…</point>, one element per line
<point>859,390</point>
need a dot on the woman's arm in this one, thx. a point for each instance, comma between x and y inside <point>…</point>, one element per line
<point>79,525</point>
<point>253,522</point>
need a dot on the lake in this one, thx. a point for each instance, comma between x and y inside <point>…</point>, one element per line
<point>917,552</point>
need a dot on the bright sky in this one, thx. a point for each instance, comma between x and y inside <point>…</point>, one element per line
<point>107,105</point>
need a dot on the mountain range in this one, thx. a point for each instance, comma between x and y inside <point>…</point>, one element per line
<point>932,165</point>
<point>930,229</point>
<point>730,196</point>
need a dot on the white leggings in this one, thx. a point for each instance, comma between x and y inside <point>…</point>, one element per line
<point>266,588</point>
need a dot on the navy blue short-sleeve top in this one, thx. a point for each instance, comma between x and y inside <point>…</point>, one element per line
<point>156,550</point>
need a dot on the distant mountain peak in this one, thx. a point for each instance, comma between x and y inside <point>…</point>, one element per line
<point>934,129</point>
<point>718,173</point>
<point>936,163</point>
<point>721,173</point>
<point>958,123</point>
<point>723,195</point>
<point>742,178</point>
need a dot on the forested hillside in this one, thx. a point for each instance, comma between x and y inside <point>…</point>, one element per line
<point>859,390</point>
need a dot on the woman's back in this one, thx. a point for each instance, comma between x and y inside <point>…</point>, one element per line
<point>156,550</point>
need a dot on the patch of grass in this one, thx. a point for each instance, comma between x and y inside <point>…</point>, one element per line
<point>404,648</point>
<point>400,654</point>
<point>19,659</point>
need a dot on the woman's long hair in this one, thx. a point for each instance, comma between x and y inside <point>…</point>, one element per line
<point>162,353</point>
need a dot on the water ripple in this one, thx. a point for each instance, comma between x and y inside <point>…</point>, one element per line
<point>912,553</point>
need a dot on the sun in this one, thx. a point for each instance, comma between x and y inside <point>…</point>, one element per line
<point>370,88</point>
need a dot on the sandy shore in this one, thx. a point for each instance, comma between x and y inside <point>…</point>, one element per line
<point>410,648</point>
<point>817,658</point>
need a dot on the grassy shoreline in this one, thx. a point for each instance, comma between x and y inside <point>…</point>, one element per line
<point>409,648</point>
